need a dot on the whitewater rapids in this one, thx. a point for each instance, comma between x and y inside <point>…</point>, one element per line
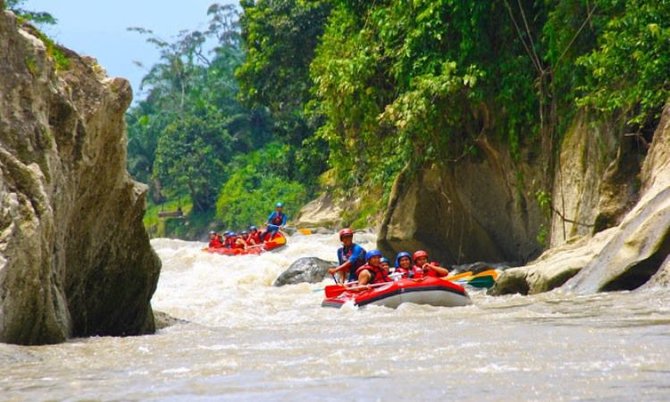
<point>243,339</point>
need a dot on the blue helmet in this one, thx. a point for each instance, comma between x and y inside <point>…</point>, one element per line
<point>252,228</point>
<point>372,253</point>
<point>385,260</point>
<point>401,255</point>
<point>279,205</point>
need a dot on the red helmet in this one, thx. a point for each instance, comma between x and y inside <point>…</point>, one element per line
<point>346,232</point>
<point>419,254</point>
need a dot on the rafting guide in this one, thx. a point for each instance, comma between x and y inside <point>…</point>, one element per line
<point>276,221</point>
<point>350,256</point>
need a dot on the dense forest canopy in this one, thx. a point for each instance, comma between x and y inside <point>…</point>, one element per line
<point>360,89</point>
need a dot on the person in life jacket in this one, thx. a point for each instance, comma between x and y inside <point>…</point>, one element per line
<point>278,217</point>
<point>403,264</point>
<point>239,241</point>
<point>423,267</point>
<point>386,264</point>
<point>350,257</point>
<point>215,240</point>
<point>276,220</point>
<point>254,236</point>
<point>228,239</point>
<point>372,272</point>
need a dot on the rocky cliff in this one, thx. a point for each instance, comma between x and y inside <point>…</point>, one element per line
<point>630,254</point>
<point>75,259</point>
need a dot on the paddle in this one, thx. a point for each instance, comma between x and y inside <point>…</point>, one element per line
<point>458,276</point>
<point>482,282</point>
<point>484,279</point>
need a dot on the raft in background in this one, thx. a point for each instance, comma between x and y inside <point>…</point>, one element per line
<point>428,290</point>
<point>277,242</point>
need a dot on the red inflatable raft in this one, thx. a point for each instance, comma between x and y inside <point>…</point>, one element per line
<point>429,290</point>
<point>277,242</point>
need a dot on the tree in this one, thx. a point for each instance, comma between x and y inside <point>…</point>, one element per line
<point>191,122</point>
<point>191,156</point>
<point>257,181</point>
<point>279,37</point>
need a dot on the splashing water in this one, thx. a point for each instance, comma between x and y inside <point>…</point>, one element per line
<point>246,340</point>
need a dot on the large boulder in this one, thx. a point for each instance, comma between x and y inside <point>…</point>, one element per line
<point>75,259</point>
<point>306,269</point>
<point>320,212</point>
<point>475,209</point>
<point>553,268</point>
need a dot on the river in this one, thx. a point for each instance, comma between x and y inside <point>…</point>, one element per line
<point>246,340</point>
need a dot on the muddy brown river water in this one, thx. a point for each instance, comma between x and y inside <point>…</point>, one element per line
<point>245,340</point>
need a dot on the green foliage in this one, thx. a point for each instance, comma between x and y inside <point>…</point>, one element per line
<point>257,181</point>
<point>191,155</point>
<point>400,82</point>
<point>362,89</point>
<point>543,199</point>
<point>416,82</point>
<point>279,38</point>
<point>191,124</point>
<point>155,225</point>
<point>628,70</point>
<point>57,54</point>
<point>347,71</point>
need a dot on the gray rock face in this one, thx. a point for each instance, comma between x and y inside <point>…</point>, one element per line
<point>75,259</point>
<point>624,257</point>
<point>596,180</point>
<point>472,210</point>
<point>641,244</point>
<point>553,268</point>
<point>306,269</point>
<point>321,212</point>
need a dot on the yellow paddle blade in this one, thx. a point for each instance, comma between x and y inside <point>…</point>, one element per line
<point>305,231</point>
<point>458,276</point>
<point>489,272</point>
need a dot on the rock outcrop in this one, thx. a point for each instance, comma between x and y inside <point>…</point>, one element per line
<point>321,212</point>
<point>596,181</point>
<point>306,269</point>
<point>621,258</point>
<point>75,259</point>
<point>471,210</point>
<point>642,242</point>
